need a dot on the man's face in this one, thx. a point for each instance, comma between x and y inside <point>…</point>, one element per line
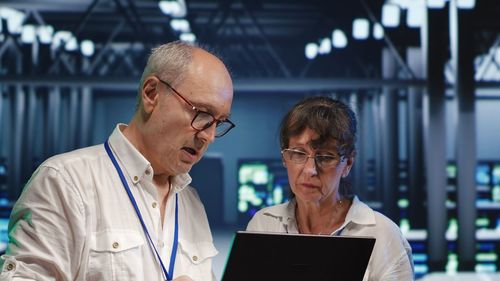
<point>172,145</point>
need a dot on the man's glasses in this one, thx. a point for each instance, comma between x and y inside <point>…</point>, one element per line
<point>203,120</point>
<point>300,157</point>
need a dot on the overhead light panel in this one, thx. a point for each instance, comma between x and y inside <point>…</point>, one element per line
<point>325,46</point>
<point>360,29</point>
<point>180,25</point>
<point>311,50</point>
<point>415,14</point>
<point>71,44</point>
<point>403,4</point>
<point>466,4</point>
<point>28,34</point>
<point>14,19</point>
<point>60,38</point>
<point>45,33</point>
<point>176,9</point>
<point>390,15</point>
<point>339,40</point>
<point>188,37</point>
<point>378,31</point>
<point>87,48</point>
<point>436,4</point>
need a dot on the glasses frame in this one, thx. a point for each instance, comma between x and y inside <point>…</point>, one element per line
<point>339,158</point>
<point>197,111</point>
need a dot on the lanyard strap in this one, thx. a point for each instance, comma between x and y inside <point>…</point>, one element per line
<point>134,203</point>
<point>340,231</point>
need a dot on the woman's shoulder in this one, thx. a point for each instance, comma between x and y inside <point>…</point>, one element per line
<point>386,224</point>
<point>269,218</point>
<point>279,210</point>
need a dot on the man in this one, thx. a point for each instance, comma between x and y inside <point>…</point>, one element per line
<point>124,210</point>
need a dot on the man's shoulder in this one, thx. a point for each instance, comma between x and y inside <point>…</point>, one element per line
<point>81,156</point>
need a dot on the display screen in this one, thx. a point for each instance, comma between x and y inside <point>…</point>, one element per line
<point>496,174</point>
<point>483,174</point>
<point>261,183</point>
<point>4,238</point>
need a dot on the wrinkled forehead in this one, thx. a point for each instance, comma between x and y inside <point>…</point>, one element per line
<point>208,86</point>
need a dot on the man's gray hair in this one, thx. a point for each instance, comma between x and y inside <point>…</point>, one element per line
<point>169,62</point>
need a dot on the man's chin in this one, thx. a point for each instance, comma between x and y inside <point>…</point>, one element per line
<point>185,167</point>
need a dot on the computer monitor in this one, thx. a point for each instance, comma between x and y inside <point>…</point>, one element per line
<point>3,173</point>
<point>451,171</point>
<point>261,183</point>
<point>495,174</point>
<point>483,172</point>
<point>4,238</point>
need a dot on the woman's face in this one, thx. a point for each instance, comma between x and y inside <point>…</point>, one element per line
<point>312,184</point>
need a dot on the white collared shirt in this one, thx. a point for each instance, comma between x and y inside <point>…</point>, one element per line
<point>74,221</point>
<point>391,257</point>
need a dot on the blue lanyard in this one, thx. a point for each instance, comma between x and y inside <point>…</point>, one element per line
<point>340,231</point>
<point>134,203</point>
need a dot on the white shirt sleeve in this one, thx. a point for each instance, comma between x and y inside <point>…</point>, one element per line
<point>47,227</point>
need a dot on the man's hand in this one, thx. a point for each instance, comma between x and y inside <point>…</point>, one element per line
<point>183,278</point>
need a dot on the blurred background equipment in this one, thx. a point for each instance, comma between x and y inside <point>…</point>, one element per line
<point>422,75</point>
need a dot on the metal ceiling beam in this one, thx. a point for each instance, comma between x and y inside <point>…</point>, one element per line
<point>283,67</point>
<point>490,59</point>
<point>264,85</point>
<point>240,85</point>
<point>388,41</point>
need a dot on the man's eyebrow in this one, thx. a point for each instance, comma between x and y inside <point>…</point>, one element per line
<point>210,109</point>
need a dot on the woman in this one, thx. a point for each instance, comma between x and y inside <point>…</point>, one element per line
<point>317,140</point>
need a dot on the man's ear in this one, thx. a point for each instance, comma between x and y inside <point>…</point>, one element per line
<point>149,94</point>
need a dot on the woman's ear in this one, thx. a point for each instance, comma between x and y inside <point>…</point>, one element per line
<point>283,161</point>
<point>348,166</point>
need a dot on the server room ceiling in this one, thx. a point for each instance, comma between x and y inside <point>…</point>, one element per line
<point>257,38</point>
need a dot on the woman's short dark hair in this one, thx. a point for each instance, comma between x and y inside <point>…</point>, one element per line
<point>331,119</point>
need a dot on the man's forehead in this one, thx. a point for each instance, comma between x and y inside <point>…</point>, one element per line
<point>215,101</point>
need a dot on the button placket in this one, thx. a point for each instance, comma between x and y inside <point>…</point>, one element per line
<point>10,266</point>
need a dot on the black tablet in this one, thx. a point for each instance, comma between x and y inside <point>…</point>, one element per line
<point>259,256</point>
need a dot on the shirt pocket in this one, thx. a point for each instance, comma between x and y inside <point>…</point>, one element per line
<point>115,255</point>
<point>195,260</point>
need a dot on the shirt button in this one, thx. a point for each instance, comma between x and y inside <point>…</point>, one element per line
<point>195,258</point>
<point>10,266</point>
<point>154,205</point>
<point>161,244</point>
<point>136,178</point>
<point>116,245</point>
<point>148,172</point>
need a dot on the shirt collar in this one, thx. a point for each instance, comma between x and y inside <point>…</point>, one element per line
<point>360,213</point>
<point>134,164</point>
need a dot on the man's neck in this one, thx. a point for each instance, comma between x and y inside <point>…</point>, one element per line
<point>161,181</point>
<point>163,187</point>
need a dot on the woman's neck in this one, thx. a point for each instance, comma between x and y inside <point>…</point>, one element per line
<point>323,218</point>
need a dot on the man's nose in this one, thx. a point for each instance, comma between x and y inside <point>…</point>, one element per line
<point>208,134</point>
